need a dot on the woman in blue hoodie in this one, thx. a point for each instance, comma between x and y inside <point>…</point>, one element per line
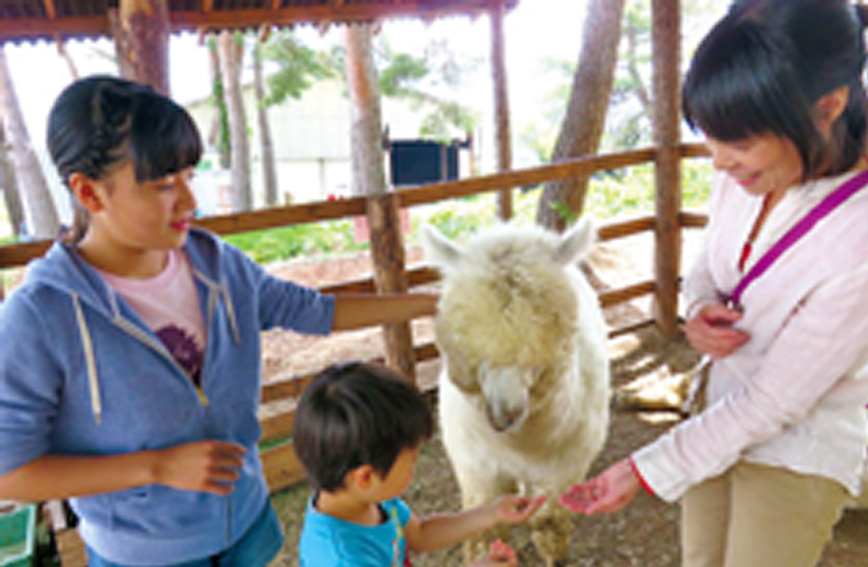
<point>130,359</point>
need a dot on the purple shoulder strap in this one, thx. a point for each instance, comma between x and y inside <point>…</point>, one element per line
<point>805,224</point>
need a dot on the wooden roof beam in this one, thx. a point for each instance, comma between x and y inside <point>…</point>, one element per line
<point>335,13</point>
<point>37,28</point>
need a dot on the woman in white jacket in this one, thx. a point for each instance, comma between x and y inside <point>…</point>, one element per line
<point>778,299</point>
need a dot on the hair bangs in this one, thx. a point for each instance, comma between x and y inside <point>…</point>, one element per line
<point>721,113</point>
<point>164,139</point>
<point>736,85</point>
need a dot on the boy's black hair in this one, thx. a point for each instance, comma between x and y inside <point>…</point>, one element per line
<point>762,68</point>
<point>357,414</point>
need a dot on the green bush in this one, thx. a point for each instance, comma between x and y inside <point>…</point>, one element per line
<point>631,190</point>
<point>313,239</point>
<point>458,218</point>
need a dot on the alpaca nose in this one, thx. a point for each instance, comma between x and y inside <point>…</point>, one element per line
<point>502,418</point>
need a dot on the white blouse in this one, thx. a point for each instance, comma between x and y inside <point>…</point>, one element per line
<point>794,395</point>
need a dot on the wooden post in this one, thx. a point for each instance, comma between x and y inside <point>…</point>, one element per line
<point>387,251</point>
<point>501,108</point>
<point>141,32</point>
<point>369,179</point>
<point>666,39</point>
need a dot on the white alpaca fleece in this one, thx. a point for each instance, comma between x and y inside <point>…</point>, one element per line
<point>524,391</point>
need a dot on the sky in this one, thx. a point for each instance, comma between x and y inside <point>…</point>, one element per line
<point>532,37</point>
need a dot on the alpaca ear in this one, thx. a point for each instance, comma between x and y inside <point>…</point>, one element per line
<point>439,250</point>
<point>576,242</point>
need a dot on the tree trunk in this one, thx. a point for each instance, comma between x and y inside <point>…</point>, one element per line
<point>369,178</point>
<point>67,58</point>
<point>369,175</point>
<point>219,134</point>
<point>40,213</point>
<point>141,32</point>
<point>501,108</point>
<point>583,123</point>
<point>231,54</point>
<point>269,173</point>
<point>10,185</point>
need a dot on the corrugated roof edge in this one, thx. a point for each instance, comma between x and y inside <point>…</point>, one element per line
<point>24,30</point>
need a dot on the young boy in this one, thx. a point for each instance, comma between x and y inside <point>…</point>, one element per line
<point>357,432</point>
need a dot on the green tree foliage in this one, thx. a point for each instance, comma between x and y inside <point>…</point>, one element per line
<point>298,66</point>
<point>629,124</point>
<point>428,82</point>
<point>631,112</point>
<point>629,120</point>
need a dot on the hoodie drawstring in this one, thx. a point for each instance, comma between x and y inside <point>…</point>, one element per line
<point>230,312</point>
<point>90,361</point>
<point>216,290</point>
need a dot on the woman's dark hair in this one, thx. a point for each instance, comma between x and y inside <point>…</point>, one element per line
<point>763,67</point>
<point>357,414</point>
<point>100,122</point>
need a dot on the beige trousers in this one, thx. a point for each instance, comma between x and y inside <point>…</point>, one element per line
<point>759,516</point>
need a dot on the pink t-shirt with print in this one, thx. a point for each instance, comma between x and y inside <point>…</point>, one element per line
<point>169,304</point>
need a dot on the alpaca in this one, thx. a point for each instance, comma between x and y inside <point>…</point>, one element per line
<point>524,390</point>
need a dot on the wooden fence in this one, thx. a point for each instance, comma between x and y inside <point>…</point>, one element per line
<point>281,466</point>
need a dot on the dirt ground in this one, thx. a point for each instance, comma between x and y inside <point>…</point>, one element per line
<point>643,535</point>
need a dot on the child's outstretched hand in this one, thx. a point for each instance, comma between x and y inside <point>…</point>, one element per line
<point>515,509</point>
<point>499,555</point>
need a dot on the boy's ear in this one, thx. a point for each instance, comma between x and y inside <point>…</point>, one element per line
<point>84,190</point>
<point>360,477</point>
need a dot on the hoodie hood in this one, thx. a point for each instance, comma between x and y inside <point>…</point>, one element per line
<point>65,271</point>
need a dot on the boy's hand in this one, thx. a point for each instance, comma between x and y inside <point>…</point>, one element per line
<point>499,555</point>
<point>515,509</point>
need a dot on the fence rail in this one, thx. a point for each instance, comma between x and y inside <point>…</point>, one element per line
<point>281,465</point>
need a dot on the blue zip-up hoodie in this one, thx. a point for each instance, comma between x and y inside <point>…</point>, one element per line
<point>81,374</point>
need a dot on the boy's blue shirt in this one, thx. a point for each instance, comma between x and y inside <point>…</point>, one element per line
<point>80,374</point>
<point>329,542</point>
